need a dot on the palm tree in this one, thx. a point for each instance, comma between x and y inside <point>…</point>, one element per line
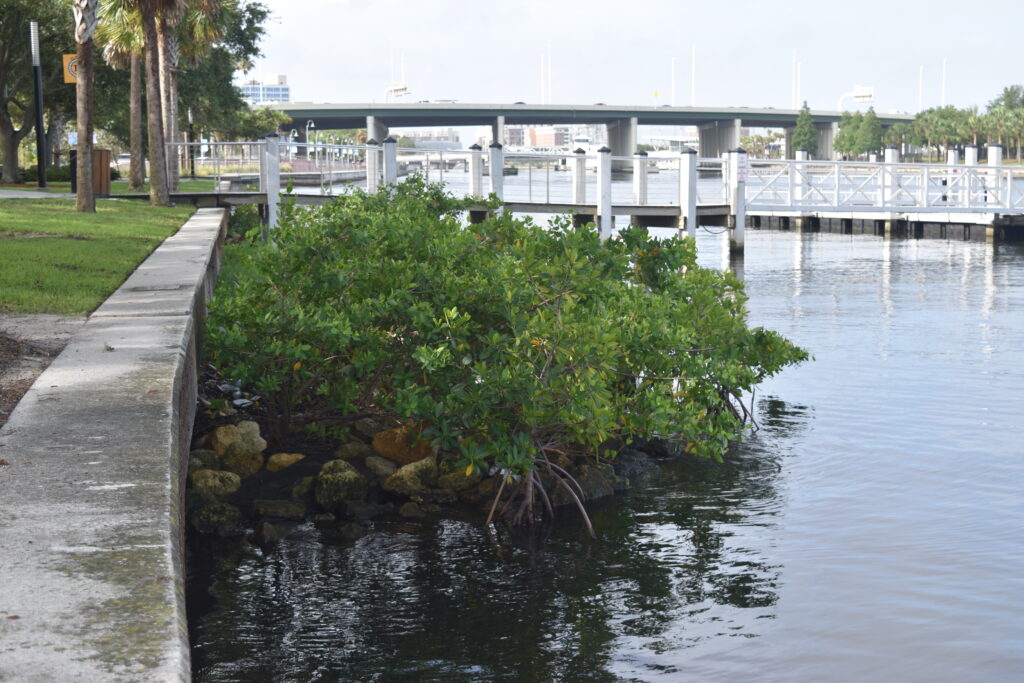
<point>120,33</point>
<point>86,12</point>
<point>972,124</point>
<point>997,121</point>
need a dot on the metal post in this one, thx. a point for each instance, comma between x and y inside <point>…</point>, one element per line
<point>372,166</point>
<point>476,171</point>
<point>579,177</point>
<point>892,157</point>
<point>272,157</point>
<point>391,160</point>
<point>640,178</point>
<point>497,169</point>
<point>37,77</point>
<point>688,190</point>
<point>606,223</point>
<point>737,196</point>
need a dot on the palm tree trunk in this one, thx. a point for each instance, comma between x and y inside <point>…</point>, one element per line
<point>158,195</point>
<point>164,39</point>
<point>136,175</point>
<point>85,198</point>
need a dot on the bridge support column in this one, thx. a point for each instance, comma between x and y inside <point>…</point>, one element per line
<point>497,169</point>
<point>272,179</point>
<point>390,160</point>
<point>737,197</point>
<point>476,171</point>
<point>826,139</point>
<point>375,129</point>
<point>622,141</point>
<point>373,164</point>
<point>719,137</point>
<point>788,141</point>
<point>970,155</point>
<point>605,220</point>
<point>688,191</point>
<point>640,178</point>
<point>579,177</point>
<point>498,130</point>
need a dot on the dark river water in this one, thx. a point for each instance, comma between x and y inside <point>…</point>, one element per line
<point>872,530</point>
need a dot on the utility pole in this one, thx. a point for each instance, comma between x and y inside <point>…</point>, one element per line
<point>37,77</point>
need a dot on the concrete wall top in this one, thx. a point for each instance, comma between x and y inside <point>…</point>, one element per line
<point>91,514</point>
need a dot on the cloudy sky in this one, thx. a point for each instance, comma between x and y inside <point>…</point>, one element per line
<point>621,51</point>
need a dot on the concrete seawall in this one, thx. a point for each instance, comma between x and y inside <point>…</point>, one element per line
<point>92,481</point>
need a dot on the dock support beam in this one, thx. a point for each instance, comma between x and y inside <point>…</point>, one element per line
<point>640,178</point>
<point>496,161</point>
<point>606,223</point>
<point>688,191</point>
<point>476,171</point>
<point>579,177</point>
<point>373,163</point>
<point>737,197</point>
<point>390,160</point>
<point>272,178</point>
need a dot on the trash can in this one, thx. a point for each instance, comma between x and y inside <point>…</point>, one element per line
<point>100,172</point>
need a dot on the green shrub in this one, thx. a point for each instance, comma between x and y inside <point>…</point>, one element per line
<point>513,344</point>
<point>57,175</point>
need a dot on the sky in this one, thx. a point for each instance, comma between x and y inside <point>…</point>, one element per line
<point>621,52</point>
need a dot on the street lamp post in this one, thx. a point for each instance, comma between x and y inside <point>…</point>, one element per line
<point>37,76</point>
<point>192,145</point>
<point>291,144</point>
<point>309,124</point>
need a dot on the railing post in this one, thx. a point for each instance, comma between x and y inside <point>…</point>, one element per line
<point>390,160</point>
<point>737,196</point>
<point>970,155</point>
<point>994,155</point>
<point>799,168</point>
<point>688,191</point>
<point>952,160</point>
<point>640,178</point>
<point>272,165</point>
<point>372,166</point>
<point>579,177</point>
<point>892,157</point>
<point>497,169</point>
<point>476,171</point>
<point>606,224</point>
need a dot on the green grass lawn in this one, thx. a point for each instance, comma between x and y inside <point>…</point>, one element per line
<point>56,260</point>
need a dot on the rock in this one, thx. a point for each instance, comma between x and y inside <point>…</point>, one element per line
<point>279,461</point>
<point>411,511</point>
<point>248,442</point>
<point>209,459</point>
<point>368,426</point>
<point>282,509</point>
<point>219,439</point>
<point>214,485</point>
<point>321,517</point>
<point>401,444</point>
<point>413,480</point>
<point>337,483</point>
<point>220,519</point>
<point>368,511</point>
<point>243,463</point>
<point>633,464</point>
<point>382,467</point>
<point>657,448</point>
<point>351,531</point>
<point>596,480</point>
<point>303,488</point>
<point>455,479</point>
<point>354,450</point>
<point>268,533</point>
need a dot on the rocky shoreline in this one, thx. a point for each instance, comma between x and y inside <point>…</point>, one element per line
<point>236,487</point>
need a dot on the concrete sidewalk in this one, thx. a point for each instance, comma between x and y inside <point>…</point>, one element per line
<point>91,492</point>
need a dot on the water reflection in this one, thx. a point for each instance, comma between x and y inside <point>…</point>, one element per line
<point>679,560</point>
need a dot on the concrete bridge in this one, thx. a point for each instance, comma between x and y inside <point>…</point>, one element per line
<point>719,126</point>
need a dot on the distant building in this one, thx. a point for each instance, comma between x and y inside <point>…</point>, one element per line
<point>275,90</point>
<point>547,136</point>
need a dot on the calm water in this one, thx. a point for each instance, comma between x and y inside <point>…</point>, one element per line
<point>872,530</point>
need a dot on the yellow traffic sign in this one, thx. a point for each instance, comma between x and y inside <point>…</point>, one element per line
<point>70,68</point>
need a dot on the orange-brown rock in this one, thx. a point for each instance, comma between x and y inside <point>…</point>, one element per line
<point>401,444</point>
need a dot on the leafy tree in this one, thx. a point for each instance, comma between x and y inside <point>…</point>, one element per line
<point>846,141</point>
<point>256,122</point>
<point>869,133</point>
<point>1012,97</point>
<point>17,100</point>
<point>804,135</point>
<point>762,146</point>
<point>515,347</point>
